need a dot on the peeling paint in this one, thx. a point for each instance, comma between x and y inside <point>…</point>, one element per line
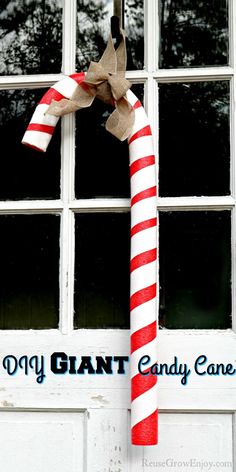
<point>100,399</point>
<point>6,403</point>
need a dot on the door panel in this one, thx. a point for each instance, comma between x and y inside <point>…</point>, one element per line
<point>37,441</point>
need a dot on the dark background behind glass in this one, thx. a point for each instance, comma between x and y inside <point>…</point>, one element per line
<point>194,139</point>
<point>193,33</point>
<point>29,271</point>
<point>195,269</point>
<point>26,173</point>
<point>102,248</point>
<point>102,161</point>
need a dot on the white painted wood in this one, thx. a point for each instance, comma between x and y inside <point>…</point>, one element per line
<point>193,74</point>
<point>111,204</point>
<point>107,440</point>
<point>234,438</point>
<point>37,441</point>
<point>205,393</point>
<point>31,206</point>
<point>69,36</point>
<point>196,203</point>
<point>151,32</point>
<point>66,271</point>
<point>29,81</point>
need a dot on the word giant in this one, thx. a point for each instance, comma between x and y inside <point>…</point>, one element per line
<point>61,363</point>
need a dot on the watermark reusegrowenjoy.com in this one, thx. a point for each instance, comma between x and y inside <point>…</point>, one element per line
<point>193,463</point>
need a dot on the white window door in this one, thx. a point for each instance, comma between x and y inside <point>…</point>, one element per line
<point>64,240</point>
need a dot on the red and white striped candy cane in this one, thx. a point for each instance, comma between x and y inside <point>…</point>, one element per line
<point>143,265</point>
<point>41,127</point>
<point>143,277</point>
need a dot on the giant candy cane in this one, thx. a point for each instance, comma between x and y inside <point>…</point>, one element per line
<point>143,265</point>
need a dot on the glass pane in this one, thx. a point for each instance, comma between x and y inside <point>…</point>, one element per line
<point>193,33</point>
<point>29,254</point>
<point>24,172</point>
<point>194,139</point>
<point>102,163</point>
<point>102,271</point>
<point>195,270</point>
<point>30,36</point>
<point>93,19</point>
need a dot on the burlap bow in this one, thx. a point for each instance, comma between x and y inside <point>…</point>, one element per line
<point>105,80</point>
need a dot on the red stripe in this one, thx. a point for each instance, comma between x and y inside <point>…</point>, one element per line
<point>146,131</point>
<point>143,225</point>
<point>137,104</point>
<point>79,77</point>
<point>143,259</point>
<point>86,88</point>
<point>42,128</point>
<point>142,296</point>
<point>149,192</point>
<point>50,95</point>
<point>145,433</point>
<point>141,384</point>
<point>143,336</point>
<point>53,94</point>
<point>141,164</point>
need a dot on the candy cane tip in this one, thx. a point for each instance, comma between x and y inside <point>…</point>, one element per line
<point>33,146</point>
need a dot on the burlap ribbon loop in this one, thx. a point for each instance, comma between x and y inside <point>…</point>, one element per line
<point>105,80</point>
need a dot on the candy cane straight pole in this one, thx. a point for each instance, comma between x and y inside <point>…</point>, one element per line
<point>143,265</point>
<point>143,277</point>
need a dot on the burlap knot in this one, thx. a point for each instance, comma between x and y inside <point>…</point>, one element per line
<point>105,80</point>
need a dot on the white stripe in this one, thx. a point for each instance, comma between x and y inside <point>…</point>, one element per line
<point>143,179</point>
<point>143,210</point>
<point>141,147</point>
<point>149,349</point>
<point>131,97</point>
<point>38,139</point>
<point>143,241</point>
<point>39,116</point>
<point>66,87</point>
<point>143,277</point>
<point>143,315</point>
<point>141,120</point>
<point>144,405</point>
